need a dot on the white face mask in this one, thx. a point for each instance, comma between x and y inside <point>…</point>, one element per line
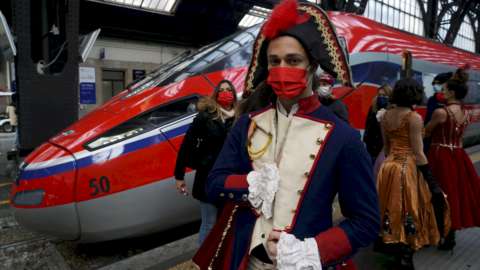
<point>437,88</point>
<point>324,91</point>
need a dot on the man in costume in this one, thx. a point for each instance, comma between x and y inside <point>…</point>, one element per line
<point>281,167</point>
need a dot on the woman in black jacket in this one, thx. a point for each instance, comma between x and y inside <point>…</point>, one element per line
<point>201,146</point>
<point>373,134</point>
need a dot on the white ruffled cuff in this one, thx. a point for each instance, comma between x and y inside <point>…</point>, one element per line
<point>294,254</point>
<point>262,186</point>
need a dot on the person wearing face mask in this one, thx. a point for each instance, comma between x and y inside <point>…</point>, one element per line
<point>283,163</point>
<point>434,102</point>
<point>373,133</point>
<point>437,100</point>
<point>201,146</point>
<point>327,99</point>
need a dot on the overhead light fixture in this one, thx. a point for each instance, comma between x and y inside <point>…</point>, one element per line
<point>254,16</point>
<point>315,1</point>
<point>158,6</point>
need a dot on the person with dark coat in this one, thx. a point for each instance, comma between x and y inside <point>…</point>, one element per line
<point>327,99</point>
<point>373,132</point>
<point>282,166</point>
<point>434,102</point>
<point>202,143</point>
<point>437,100</point>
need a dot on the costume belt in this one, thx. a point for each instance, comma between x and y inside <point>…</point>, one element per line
<point>451,146</point>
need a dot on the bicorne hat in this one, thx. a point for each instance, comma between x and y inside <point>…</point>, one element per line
<point>311,26</point>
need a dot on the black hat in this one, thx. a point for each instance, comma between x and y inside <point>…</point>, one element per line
<point>308,24</point>
<point>442,78</point>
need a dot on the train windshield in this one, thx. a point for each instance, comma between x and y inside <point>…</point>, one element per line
<point>233,51</point>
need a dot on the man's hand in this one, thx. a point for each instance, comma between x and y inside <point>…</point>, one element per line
<point>181,187</point>
<point>272,242</point>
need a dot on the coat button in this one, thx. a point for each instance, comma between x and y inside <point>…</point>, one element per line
<point>299,192</point>
<point>328,126</point>
<point>244,197</point>
<point>263,235</point>
<point>293,211</point>
<point>312,156</point>
<point>222,194</point>
<point>306,174</point>
<point>319,141</point>
<point>230,195</point>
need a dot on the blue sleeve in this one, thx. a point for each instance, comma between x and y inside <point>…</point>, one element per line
<point>358,194</point>
<point>228,178</point>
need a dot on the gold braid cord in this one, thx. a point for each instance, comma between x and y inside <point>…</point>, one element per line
<point>253,67</point>
<point>229,224</point>
<point>331,42</point>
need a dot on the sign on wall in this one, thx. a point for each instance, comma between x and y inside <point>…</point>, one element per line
<point>87,85</point>
<point>138,74</point>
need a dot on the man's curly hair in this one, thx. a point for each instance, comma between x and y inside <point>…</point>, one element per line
<point>407,92</point>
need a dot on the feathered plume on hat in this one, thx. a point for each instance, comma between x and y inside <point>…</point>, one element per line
<point>311,26</point>
<point>283,17</point>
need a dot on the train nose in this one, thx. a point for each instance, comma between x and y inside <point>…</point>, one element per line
<point>43,194</point>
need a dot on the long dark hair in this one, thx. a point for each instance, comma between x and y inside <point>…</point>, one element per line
<point>256,99</point>
<point>210,105</point>
<point>458,83</point>
<point>407,92</point>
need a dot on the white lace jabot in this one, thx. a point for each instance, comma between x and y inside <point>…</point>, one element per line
<point>262,186</point>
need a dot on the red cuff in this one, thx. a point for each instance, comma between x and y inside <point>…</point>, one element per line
<point>333,244</point>
<point>236,181</point>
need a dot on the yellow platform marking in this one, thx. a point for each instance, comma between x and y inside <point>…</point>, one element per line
<point>475,157</point>
<point>5,184</point>
<point>188,265</point>
<point>4,202</point>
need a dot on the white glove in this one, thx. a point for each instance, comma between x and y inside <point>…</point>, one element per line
<point>262,186</point>
<point>294,254</point>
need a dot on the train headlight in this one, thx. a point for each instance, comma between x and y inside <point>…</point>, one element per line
<point>29,197</point>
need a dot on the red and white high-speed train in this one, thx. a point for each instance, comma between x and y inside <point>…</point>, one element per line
<point>110,175</point>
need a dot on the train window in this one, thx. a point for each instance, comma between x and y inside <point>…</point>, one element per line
<point>145,122</point>
<point>473,95</point>
<point>172,111</point>
<point>187,65</point>
<point>427,84</point>
<point>228,48</point>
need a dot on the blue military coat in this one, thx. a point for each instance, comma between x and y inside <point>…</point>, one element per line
<point>340,166</point>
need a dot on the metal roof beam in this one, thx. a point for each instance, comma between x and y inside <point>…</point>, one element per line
<point>457,20</point>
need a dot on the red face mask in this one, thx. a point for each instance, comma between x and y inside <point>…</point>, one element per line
<point>225,99</point>
<point>440,97</point>
<point>287,82</point>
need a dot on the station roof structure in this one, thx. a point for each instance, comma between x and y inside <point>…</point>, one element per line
<point>198,22</point>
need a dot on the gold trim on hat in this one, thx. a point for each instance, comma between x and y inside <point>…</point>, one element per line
<point>330,40</point>
<point>253,66</point>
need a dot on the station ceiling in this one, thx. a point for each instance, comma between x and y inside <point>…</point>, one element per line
<point>194,23</point>
<point>198,22</point>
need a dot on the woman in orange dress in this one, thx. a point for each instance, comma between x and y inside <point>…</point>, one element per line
<point>450,164</point>
<point>408,217</point>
